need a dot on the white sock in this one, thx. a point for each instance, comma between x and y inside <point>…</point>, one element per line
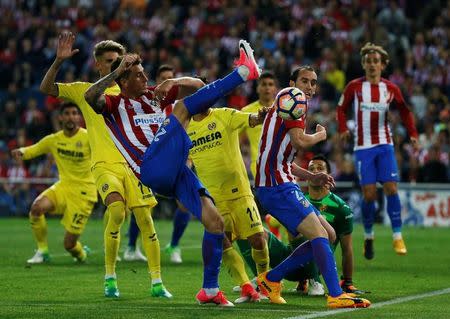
<point>397,235</point>
<point>243,72</point>
<point>211,292</point>
<point>370,235</point>
<point>156,281</point>
<point>110,276</point>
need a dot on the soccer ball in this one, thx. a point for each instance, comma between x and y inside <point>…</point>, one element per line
<point>291,103</point>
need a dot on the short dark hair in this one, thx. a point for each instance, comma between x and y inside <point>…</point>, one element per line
<point>107,46</point>
<point>164,68</point>
<point>296,72</point>
<point>125,74</point>
<point>321,157</point>
<point>267,75</point>
<point>67,105</point>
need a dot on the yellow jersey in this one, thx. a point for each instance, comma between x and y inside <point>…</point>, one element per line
<point>216,153</point>
<point>254,135</point>
<point>102,146</point>
<point>72,156</point>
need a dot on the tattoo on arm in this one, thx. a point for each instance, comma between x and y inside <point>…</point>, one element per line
<point>94,95</point>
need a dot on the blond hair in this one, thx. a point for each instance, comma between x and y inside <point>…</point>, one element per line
<point>107,46</point>
<point>372,48</point>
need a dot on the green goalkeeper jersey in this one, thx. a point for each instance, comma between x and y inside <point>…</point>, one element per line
<point>337,213</point>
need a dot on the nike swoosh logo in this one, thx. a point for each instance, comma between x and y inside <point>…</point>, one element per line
<point>242,46</point>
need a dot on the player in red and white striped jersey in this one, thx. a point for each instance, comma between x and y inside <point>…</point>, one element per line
<point>371,97</point>
<point>281,197</point>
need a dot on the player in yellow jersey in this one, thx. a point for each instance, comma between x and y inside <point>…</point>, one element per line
<point>118,186</point>
<point>74,195</point>
<point>266,90</point>
<point>219,164</point>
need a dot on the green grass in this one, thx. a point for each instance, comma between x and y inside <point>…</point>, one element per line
<point>63,289</point>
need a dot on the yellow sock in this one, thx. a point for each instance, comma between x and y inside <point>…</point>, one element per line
<point>116,217</point>
<point>261,258</point>
<point>235,266</point>
<point>150,241</point>
<point>78,252</point>
<point>39,229</point>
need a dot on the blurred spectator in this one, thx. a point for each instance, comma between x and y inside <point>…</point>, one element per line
<point>434,170</point>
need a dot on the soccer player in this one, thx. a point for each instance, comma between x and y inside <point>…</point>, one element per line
<point>158,155</point>
<point>337,213</point>
<point>219,165</point>
<point>74,195</point>
<point>132,251</point>
<point>118,186</point>
<point>370,97</point>
<point>281,196</point>
<point>266,90</point>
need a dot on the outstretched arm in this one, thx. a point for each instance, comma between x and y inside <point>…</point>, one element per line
<point>94,95</point>
<point>322,178</point>
<point>300,139</point>
<point>258,118</point>
<point>63,51</point>
<point>187,86</point>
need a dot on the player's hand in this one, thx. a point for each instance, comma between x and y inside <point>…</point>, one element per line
<point>64,47</point>
<point>16,154</point>
<point>127,62</point>
<point>323,179</point>
<point>322,132</point>
<point>345,136</point>
<point>163,89</point>
<point>415,144</point>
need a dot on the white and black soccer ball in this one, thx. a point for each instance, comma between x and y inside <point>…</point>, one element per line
<point>291,103</point>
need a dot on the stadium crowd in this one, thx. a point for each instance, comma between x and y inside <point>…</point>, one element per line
<point>200,38</point>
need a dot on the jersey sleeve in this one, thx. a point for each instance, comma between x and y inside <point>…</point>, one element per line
<point>347,219</point>
<point>72,91</point>
<point>35,150</point>
<point>112,103</point>
<point>300,123</point>
<point>343,105</point>
<point>405,113</point>
<point>238,119</point>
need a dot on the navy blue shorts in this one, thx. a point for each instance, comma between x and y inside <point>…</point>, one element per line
<point>287,204</point>
<point>376,164</point>
<point>164,169</point>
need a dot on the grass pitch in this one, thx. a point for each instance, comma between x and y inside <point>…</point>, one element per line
<point>64,289</point>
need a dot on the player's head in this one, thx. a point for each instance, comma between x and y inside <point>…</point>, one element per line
<point>69,115</point>
<point>304,78</point>
<point>133,82</point>
<point>318,164</point>
<point>105,53</point>
<point>164,72</point>
<point>267,86</point>
<point>374,59</point>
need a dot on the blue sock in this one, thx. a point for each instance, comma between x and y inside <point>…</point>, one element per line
<point>212,257</point>
<point>180,222</point>
<point>300,256</point>
<point>368,214</point>
<point>323,256</point>
<point>394,209</point>
<point>133,232</point>
<point>209,94</point>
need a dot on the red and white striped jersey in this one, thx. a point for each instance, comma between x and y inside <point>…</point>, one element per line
<point>371,104</point>
<point>276,153</point>
<point>133,123</point>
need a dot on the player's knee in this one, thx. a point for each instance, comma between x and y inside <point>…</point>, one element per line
<point>116,213</point>
<point>37,208</point>
<point>257,241</point>
<point>370,196</point>
<point>390,188</point>
<point>113,197</point>
<point>214,223</point>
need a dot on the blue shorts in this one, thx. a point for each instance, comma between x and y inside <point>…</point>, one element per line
<point>164,169</point>
<point>376,164</point>
<point>286,203</point>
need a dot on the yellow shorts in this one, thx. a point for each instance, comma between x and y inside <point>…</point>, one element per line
<point>118,177</point>
<point>75,206</point>
<point>241,217</point>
